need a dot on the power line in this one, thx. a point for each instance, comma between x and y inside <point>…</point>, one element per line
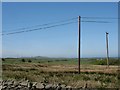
<point>38,28</point>
<point>96,21</point>
<point>48,24</point>
<point>23,28</point>
<point>100,17</point>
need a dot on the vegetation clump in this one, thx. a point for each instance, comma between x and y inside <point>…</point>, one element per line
<point>3,59</point>
<point>23,60</point>
<point>29,61</point>
<point>104,62</point>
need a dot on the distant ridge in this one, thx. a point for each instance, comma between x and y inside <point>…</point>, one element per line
<point>40,57</point>
<point>45,57</point>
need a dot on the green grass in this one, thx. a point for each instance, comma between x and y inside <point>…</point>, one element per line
<point>44,61</point>
<point>71,61</point>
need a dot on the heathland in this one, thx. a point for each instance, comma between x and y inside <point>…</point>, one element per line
<point>94,71</point>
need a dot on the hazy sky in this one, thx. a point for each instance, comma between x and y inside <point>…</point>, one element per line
<point>59,41</point>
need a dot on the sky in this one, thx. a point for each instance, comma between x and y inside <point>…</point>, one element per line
<point>59,41</point>
<point>60,0</point>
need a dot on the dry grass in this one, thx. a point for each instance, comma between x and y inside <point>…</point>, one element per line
<point>94,75</point>
<point>63,68</point>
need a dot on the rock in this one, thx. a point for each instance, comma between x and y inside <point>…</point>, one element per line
<point>46,81</point>
<point>4,87</point>
<point>59,84</point>
<point>40,86</point>
<point>25,88</point>
<point>85,86</point>
<point>48,87</point>
<point>5,83</point>
<point>19,86</point>
<point>34,83</point>
<point>68,88</point>
<point>58,88</point>
<point>0,87</point>
<point>63,86</point>
<point>1,82</point>
<point>10,82</point>
<point>54,86</point>
<point>16,88</point>
<point>30,84</point>
<point>24,83</point>
<point>16,83</point>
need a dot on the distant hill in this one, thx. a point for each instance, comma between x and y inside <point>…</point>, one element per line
<point>40,57</point>
<point>35,57</point>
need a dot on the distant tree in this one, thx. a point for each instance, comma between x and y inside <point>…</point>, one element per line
<point>3,59</point>
<point>49,61</point>
<point>29,60</point>
<point>65,60</point>
<point>39,62</point>
<point>23,60</point>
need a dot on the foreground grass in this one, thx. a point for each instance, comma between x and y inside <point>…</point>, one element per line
<point>96,76</point>
<point>72,79</point>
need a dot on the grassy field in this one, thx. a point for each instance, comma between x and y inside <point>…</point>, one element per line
<point>94,72</point>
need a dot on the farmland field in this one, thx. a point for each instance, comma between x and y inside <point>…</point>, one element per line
<point>94,73</point>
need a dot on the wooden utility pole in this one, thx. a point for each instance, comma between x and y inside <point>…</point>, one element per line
<point>107,49</point>
<point>79,19</point>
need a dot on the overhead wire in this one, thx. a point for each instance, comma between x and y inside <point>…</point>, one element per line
<point>22,30</point>
<point>93,21</point>
<point>100,18</point>
<point>38,28</point>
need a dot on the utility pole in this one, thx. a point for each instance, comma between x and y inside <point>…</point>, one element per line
<point>79,20</point>
<point>107,49</point>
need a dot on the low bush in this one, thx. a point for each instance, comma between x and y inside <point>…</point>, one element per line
<point>23,60</point>
<point>29,61</point>
<point>3,59</point>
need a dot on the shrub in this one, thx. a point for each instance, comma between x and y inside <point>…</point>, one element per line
<point>29,61</point>
<point>39,62</point>
<point>23,60</point>
<point>48,61</point>
<point>3,59</point>
<point>65,60</point>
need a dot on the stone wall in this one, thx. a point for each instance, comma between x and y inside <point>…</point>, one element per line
<point>27,85</point>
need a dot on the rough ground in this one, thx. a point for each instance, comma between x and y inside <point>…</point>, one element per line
<point>56,77</point>
<point>27,85</point>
